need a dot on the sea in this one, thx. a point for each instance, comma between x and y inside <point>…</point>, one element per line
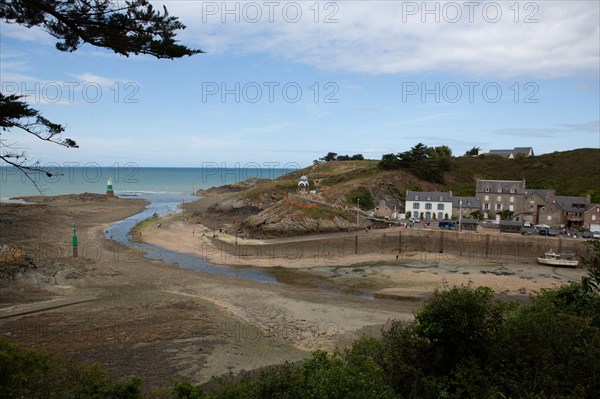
<point>165,189</point>
<point>127,179</point>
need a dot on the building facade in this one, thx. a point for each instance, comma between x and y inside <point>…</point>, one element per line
<point>465,206</point>
<point>496,196</point>
<point>429,205</point>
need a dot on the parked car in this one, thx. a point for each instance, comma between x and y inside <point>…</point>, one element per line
<point>586,234</point>
<point>552,232</point>
<point>526,224</point>
<point>446,224</point>
<point>543,232</point>
<point>596,235</point>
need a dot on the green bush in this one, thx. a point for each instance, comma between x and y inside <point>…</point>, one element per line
<point>364,195</point>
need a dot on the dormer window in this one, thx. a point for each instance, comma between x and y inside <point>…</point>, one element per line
<point>441,198</point>
<point>499,190</point>
<point>512,190</point>
<point>416,197</point>
<point>428,198</point>
<point>487,190</point>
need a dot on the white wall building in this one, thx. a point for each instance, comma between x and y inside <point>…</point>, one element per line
<point>429,204</point>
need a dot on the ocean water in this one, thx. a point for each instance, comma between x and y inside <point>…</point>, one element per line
<point>128,179</point>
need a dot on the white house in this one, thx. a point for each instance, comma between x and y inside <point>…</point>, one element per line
<point>428,205</point>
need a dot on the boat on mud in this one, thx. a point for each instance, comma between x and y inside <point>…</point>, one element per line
<point>553,259</point>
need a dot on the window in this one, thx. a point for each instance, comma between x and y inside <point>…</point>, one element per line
<point>487,198</point>
<point>468,202</point>
<point>440,215</point>
<point>428,206</point>
<point>511,207</point>
<point>531,207</point>
<point>441,198</point>
<point>416,205</point>
<point>427,215</point>
<point>511,199</point>
<point>498,207</point>
<point>512,190</point>
<point>428,198</point>
<point>416,197</point>
<point>549,217</point>
<point>499,198</point>
<point>440,207</point>
<point>593,217</point>
<point>486,206</point>
<point>487,190</point>
<point>499,190</point>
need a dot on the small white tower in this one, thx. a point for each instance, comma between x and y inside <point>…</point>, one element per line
<point>303,185</point>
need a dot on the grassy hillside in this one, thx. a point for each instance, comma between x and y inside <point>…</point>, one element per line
<point>574,172</point>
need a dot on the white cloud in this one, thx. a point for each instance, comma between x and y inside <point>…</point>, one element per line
<point>382,37</point>
<point>103,81</point>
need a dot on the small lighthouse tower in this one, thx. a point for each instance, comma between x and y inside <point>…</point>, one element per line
<point>109,188</point>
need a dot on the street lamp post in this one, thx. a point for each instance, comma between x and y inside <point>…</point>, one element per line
<point>357,210</point>
<point>460,214</point>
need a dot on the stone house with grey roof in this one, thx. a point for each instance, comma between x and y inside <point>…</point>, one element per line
<point>387,209</point>
<point>533,201</point>
<point>496,196</point>
<point>468,206</point>
<point>568,210</point>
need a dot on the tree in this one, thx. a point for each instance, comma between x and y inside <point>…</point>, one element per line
<point>440,151</point>
<point>133,27</point>
<point>331,156</point>
<point>506,214</point>
<point>477,215</point>
<point>473,151</point>
<point>389,162</point>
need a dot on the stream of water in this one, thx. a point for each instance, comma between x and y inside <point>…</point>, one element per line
<point>161,204</point>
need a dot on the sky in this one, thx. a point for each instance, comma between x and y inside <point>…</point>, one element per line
<point>287,82</point>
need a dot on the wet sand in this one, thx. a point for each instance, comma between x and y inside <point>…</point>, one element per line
<point>413,275</point>
<point>156,320</point>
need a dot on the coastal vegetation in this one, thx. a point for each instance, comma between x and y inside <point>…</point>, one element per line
<point>462,344</point>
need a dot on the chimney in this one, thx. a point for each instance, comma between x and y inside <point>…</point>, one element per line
<point>588,198</point>
<point>450,193</point>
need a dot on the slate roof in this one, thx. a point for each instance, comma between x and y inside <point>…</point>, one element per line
<point>527,151</point>
<point>505,185</point>
<point>504,153</point>
<point>523,150</point>
<point>467,202</point>
<point>571,204</point>
<point>433,196</point>
<point>544,194</point>
<point>591,206</point>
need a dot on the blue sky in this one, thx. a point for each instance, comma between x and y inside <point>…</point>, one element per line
<point>276,85</point>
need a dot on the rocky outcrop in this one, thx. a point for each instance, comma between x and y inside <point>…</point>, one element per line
<point>283,219</point>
